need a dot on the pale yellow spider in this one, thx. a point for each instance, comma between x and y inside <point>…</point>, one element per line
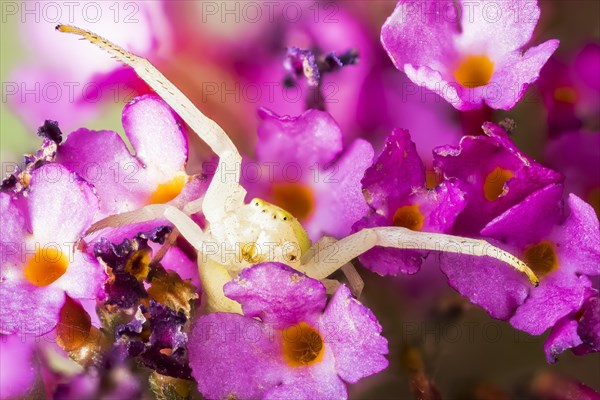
<point>238,234</point>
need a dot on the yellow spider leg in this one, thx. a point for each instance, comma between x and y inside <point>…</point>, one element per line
<point>225,192</point>
<point>331,255</point>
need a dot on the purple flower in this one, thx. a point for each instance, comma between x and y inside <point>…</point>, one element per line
<point>493,172</point>
<point>40,260</point>
<point>311,175</point>
<point>571,90</point>
<point>470,53</point>
<point>579,331</point>
<point>164,350</point>
<point>300,348</point>
<point>125,182</point>
<point>575,155</point>
<point>562,246</point>
<point>394,187</point>
<point>129,260</point>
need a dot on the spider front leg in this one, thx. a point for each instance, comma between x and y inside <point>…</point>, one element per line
<point>329,256</point>
<point>184,224</point>
<point>224,193</point>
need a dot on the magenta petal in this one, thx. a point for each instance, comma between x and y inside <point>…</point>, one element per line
<point>17,370</point>
<point>476,159</point>
<point>493,285</point>
<point>516,73</point>
<point>420,33</point>
<point>439,206</point>
<point>562,337</point>
<point>84,277</point>
<point>277,294</point>
<point>61,205</point>
<point>233,356</point>
<point>28,309</point>
<point>580,238</point>
<point>156,135</point>
<point>312,139</point>
<point>397,171</point>
<point>589,324</point>
<point>102,159</point>
<point>341,202</point>
<point>558,295</point>
<point>425,40</point>
<point>543,207</point>
<point>354,334</point>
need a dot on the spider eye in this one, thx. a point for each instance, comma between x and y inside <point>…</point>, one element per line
<point>285,218</point>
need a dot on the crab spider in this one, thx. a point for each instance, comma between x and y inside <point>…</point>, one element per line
<point>239,234</point>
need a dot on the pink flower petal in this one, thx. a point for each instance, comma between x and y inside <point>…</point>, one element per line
<point>102,158</point>
<point>61,205</point>
<point>340,202</point>
<point>558,295</point>
<point>234,356</point>
<point>354,334</point>
<point>514,75</point>
<point>311,139</point>
<point>17,370</point>
<point>157,136</point>
<point>297,298</point>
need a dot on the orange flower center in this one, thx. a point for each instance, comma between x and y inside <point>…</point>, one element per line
<point>409,217</point>
<point>302,345</point>
<point>565,94</point>
<point>541,258</point>
<point>296,198</point>
<point>46,266</point>
<point>474,71</point>
<point>166,192</point>
<point>493,186</point>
